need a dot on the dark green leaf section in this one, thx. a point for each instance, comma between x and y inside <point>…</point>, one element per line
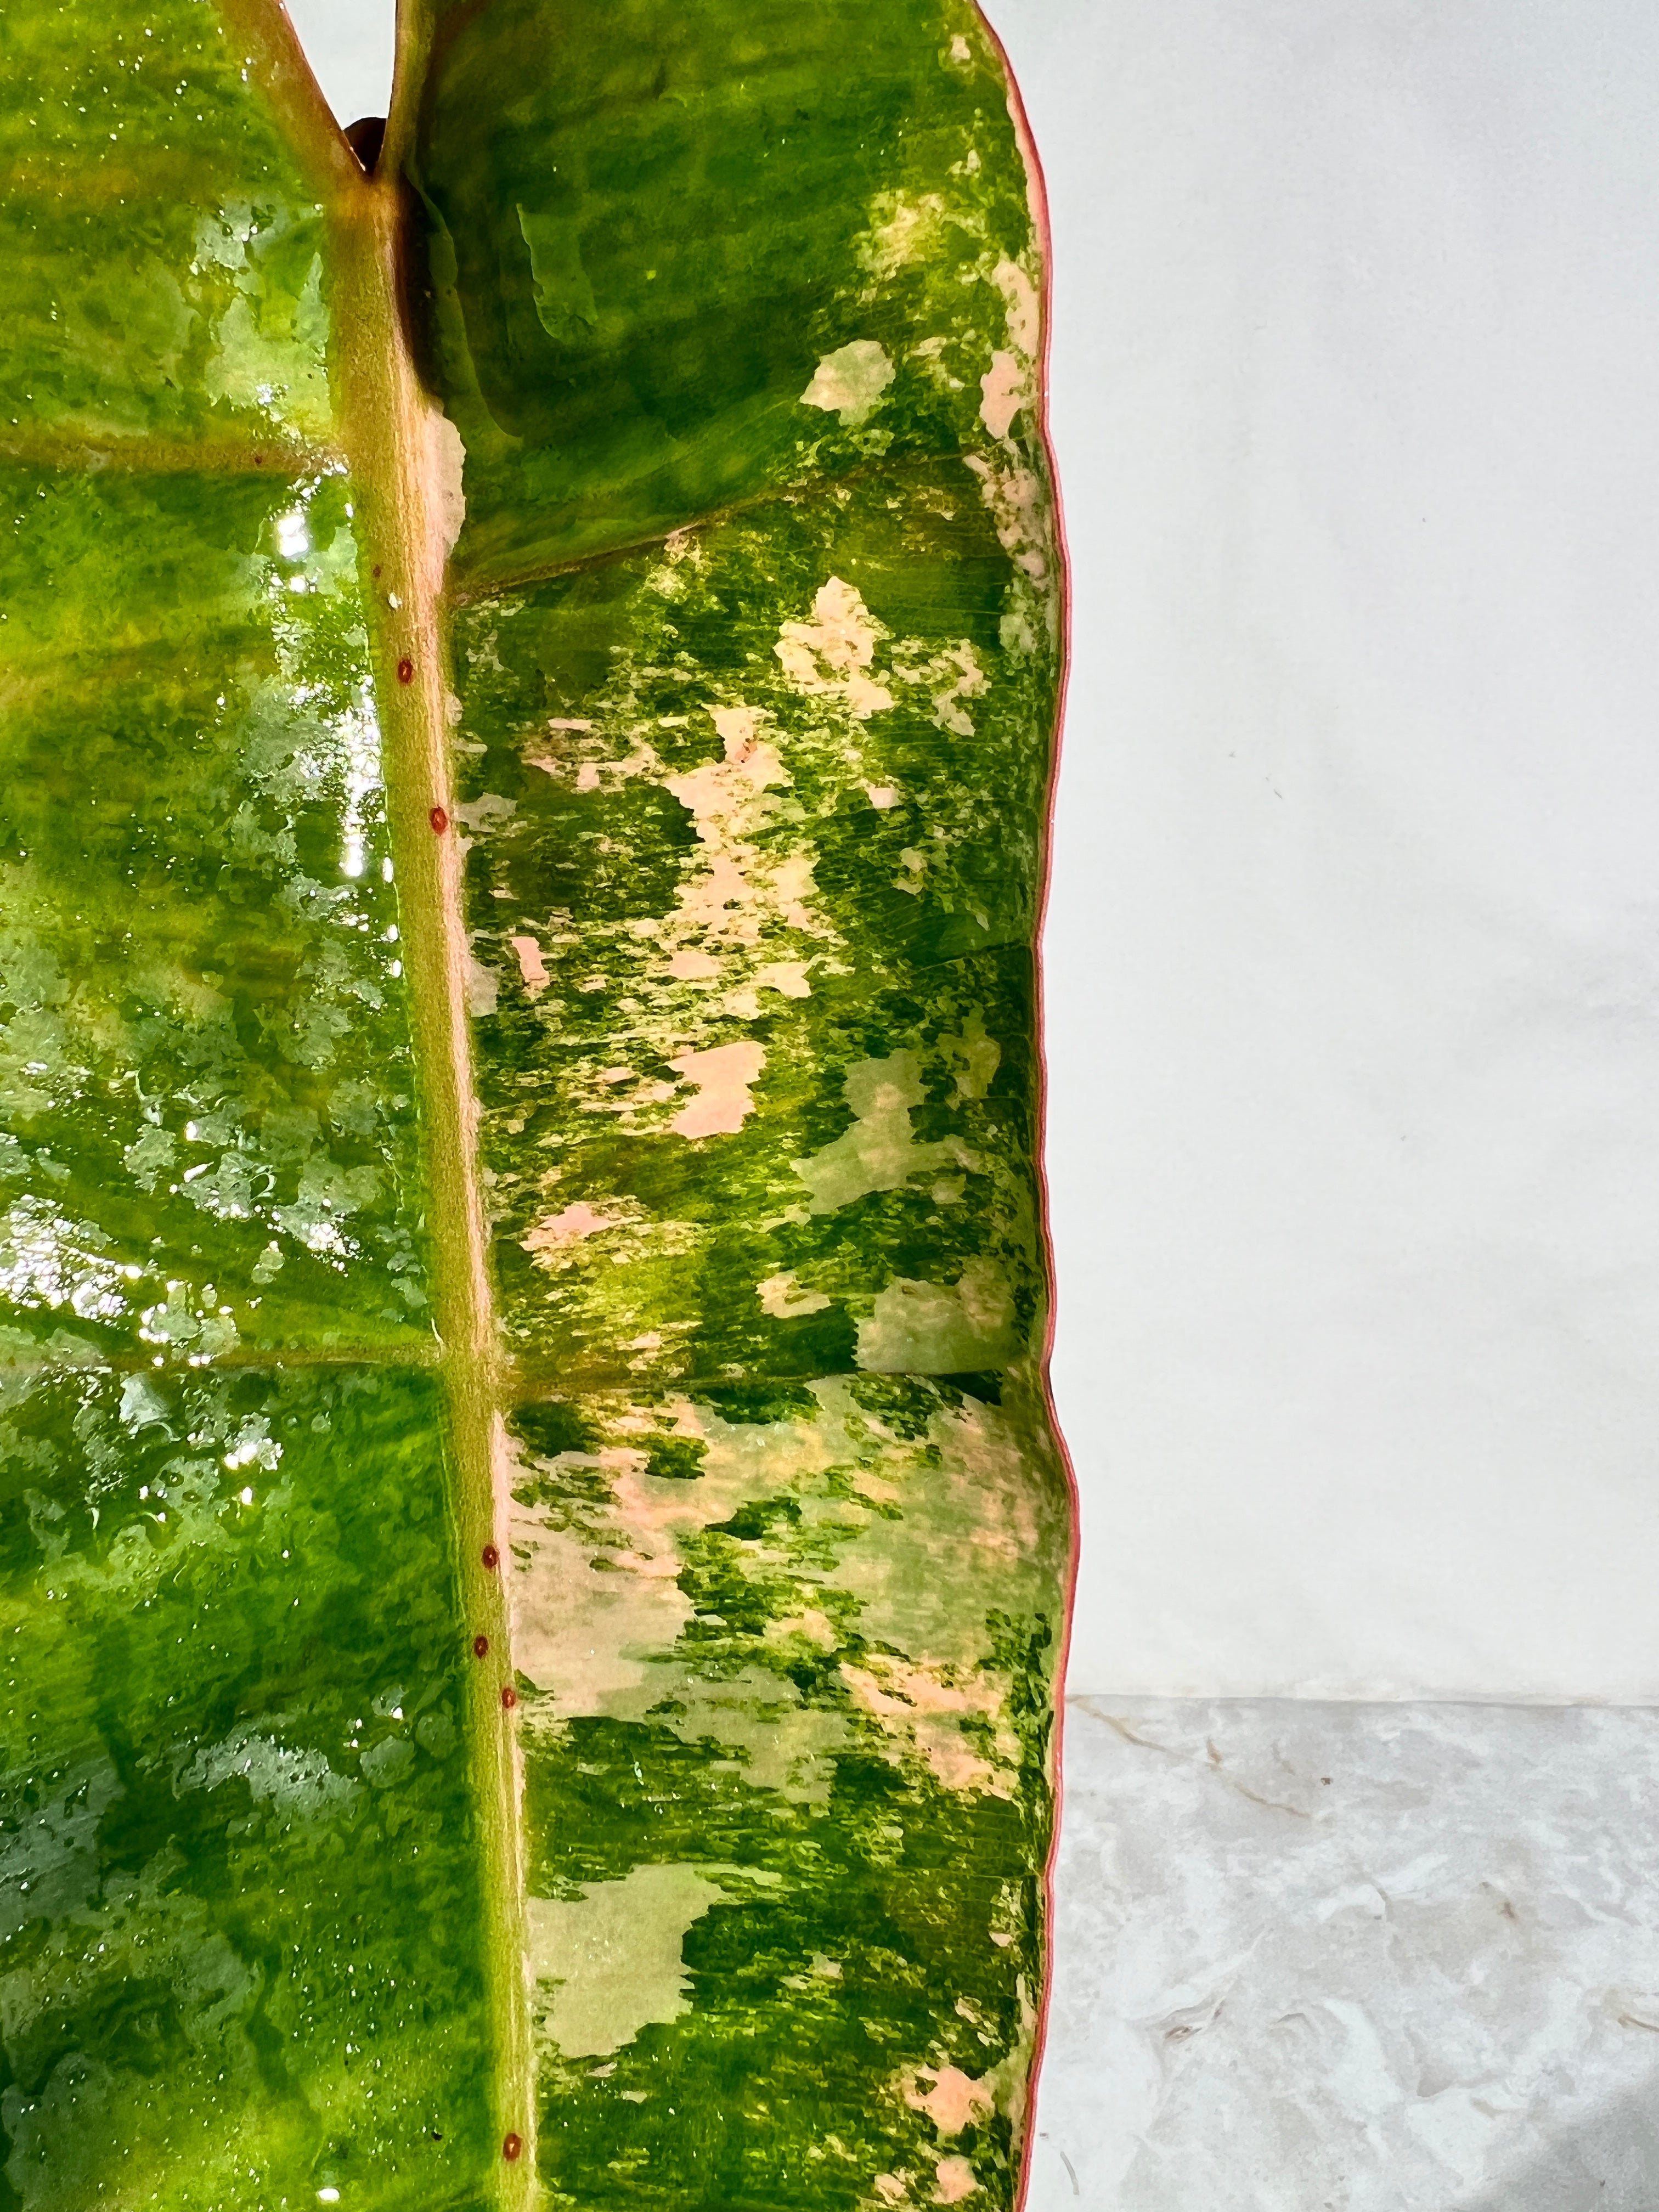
<point>208,1101</point>
<point>239,1957</point>
<point>163,260</point>
<point>681,256</point>
<point>787,1659</point>
<point>757,823</point>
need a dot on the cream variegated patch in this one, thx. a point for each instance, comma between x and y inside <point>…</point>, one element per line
<point>722,1078</point>
<point>878,1152</point>
<point>784,1298</point>
<point>938,1329</point>
<point>903,231</point>
<point>850,381</point>
<point>609,1962</point>
<point>952,2100</point>
<point>922,1708</point>
<point>954,2178</point>
<point>1020,513</point>
<point>830,656</point>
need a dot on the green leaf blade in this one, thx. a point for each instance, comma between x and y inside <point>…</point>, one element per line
<point>736,312</point>
<point>245,1943</point>
<point>205,1069</point>
<point>726,200</point>
<point>164,250</point>
<point>241,1908</point>
<point>756,827</point>
<point>789,1806</point>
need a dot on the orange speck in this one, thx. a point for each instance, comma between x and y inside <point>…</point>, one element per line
<point>405,672</point>
<point>438,820</point>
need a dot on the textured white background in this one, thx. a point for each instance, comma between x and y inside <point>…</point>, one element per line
<point>1353,953</point>
<point>1316,1957</point>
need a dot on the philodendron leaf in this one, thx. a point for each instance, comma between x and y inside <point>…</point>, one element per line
<point>534,1543</point>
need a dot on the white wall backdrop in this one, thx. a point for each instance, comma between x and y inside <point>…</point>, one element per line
<point>349,43</point>
<point>1354,942</point>
<point>1353,949</point>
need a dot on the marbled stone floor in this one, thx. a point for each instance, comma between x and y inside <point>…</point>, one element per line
<point>1349,1958</point>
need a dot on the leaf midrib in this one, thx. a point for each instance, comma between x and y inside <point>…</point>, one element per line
<point>384,417</point>
<point>388,424</point>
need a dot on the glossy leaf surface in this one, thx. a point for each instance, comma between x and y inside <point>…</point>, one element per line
<point>521,1102</point>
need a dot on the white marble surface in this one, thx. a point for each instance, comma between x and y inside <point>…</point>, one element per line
<point>1354,1957</point>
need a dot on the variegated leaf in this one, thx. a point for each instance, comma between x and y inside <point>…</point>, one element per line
<point>535,1543</point>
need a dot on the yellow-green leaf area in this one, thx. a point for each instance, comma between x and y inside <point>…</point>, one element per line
<point>756,654</point>
<point>208,1100</point>
<point>164,257</point>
